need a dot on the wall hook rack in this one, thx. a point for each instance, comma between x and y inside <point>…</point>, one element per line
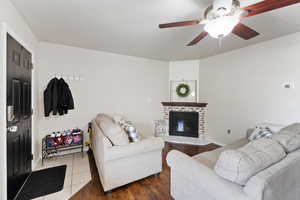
<point>67,77</point>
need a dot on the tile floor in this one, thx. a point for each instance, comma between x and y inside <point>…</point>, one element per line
<point>77,175</point>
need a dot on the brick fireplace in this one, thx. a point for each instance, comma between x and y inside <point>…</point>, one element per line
<point>181,117</point>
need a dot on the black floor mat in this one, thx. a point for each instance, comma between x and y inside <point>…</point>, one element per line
<point>43,182</point>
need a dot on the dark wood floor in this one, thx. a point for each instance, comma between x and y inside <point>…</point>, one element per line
<point>151,188</point>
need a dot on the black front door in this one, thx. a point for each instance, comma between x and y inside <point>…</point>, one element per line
<point>18,116</point>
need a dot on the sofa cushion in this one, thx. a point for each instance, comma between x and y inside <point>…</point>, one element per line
<point>292,128</point>
<point>142,147</point>
<point>241,164</point>
<point>97,133</point>
<point>112,130</point>
<point>210,158</point>
<point>278,182</point>
<point>288,139</point>
<point>106,142</point>
<point>101,117</point>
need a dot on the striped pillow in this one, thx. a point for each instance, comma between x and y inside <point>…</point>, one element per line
<point>261,132</point>
<point>130,130</point>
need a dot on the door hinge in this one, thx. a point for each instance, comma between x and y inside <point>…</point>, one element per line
<point>31,66</point>
<point>31,156</point>
<point>31,111</point>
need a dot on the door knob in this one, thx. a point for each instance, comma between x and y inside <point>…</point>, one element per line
<point>12,129</point>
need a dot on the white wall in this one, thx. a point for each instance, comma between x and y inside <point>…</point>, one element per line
<point>245,87</point>
<point>12,22</point>
<point>111,83</point>
<point>187,70</point>
<point>184,70</point>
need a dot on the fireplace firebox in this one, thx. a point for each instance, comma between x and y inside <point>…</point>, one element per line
<point>184,124</point>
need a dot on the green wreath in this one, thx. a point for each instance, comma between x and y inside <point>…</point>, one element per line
<point>183,90</point>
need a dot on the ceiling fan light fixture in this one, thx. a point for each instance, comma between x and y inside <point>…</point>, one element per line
<point>221,26</point>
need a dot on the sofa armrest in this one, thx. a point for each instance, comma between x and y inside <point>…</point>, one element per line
<point>204,177</point>
<point>143,146</point>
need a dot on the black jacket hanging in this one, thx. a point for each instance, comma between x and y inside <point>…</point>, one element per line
<point>65,100</point>
<point>51,97</point>
<point>58,97</point>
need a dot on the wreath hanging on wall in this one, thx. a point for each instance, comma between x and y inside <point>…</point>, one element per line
<point>183,90</point>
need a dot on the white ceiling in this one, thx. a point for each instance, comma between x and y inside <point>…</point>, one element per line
<point>131,27</point>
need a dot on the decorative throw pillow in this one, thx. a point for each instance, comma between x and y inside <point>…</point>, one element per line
<point>130,130</point>
<point>274,127</point>
<point>113,131</point>
<point>261,132</point>
<point>241,164</point>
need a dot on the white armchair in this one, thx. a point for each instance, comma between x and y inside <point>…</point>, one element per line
<point>120,165</point>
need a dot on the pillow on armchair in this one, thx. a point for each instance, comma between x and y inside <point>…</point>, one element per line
<point>112,131</point>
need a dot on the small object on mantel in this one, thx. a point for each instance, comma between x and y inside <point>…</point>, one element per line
<point>186,104</point>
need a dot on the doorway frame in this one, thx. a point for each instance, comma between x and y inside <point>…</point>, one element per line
<point>4,30</point>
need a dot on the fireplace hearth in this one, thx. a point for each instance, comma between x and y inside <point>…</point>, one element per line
<point>184,124</point>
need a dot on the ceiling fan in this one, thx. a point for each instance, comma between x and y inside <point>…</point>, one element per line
<point>223,17</point>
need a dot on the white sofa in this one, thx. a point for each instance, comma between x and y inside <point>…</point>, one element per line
<point>194,178</point>
<point>120,165</point>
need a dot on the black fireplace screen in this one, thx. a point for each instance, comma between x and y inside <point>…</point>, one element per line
<point>184,124</point>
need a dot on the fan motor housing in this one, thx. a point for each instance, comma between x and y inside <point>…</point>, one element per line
<point>221,8</point>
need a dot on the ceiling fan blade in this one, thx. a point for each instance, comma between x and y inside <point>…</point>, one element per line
<point>267,5</point>
<point>244,31</point>
<point>198,38</point>
<point>177,24</point>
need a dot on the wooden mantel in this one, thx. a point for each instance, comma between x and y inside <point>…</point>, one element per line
<point>184,104</point>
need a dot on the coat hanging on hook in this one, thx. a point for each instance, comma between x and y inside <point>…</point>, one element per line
<point>58,97</point>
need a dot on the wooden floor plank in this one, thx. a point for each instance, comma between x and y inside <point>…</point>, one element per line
<point>151,188</point>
